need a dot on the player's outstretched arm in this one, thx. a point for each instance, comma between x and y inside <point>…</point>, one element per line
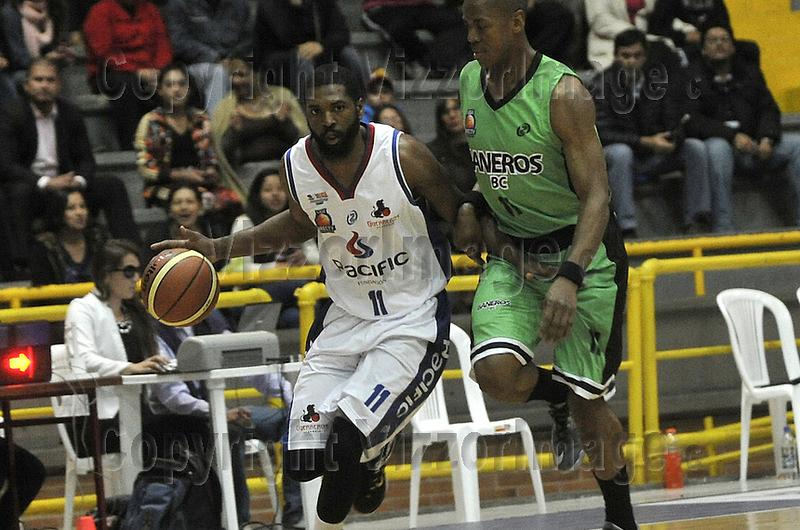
<point>286,228</point>
<point>572,115</point>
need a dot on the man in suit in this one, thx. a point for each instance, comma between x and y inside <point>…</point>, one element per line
<point>46,148</point>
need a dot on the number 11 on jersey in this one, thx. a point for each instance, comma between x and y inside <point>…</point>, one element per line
<point>378,307</point>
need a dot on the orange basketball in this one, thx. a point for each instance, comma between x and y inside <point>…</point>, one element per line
<point>180,287</point>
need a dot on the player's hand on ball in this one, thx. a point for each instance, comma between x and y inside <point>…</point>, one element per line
<point>558,310</point>
<point>156,363</point>
<point>192,240</point>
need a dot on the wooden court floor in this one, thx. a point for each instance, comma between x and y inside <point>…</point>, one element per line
<point>781,519</point>
<point>773,506</point>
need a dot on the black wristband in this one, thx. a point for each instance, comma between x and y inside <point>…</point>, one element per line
<point>478,201</point>
<point>571,271</point>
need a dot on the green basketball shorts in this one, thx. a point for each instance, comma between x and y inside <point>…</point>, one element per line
<point>507,310</point>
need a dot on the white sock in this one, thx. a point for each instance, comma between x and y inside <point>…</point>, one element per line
<point>322,525</point>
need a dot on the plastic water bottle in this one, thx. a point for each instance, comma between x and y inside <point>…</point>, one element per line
<point>788,454</point>
<point>673,474</point>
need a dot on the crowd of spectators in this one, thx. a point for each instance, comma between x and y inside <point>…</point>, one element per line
<point>205,91</point>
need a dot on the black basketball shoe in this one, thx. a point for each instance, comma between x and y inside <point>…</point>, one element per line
<point>372,488</point>
<point>567,446</point>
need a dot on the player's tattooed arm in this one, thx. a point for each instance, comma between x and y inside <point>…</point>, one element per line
<point>280,231</point>
<point>426,178</point>
<point>273,235</point>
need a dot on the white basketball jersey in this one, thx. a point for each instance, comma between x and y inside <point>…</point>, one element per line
<point>380,253</point>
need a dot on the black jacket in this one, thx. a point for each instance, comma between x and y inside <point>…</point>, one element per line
<point>698,13</point>
<point>20,139</point>
<point>48,261</point>
<point>623,118</point>
<point>745,98</point>
<point>281,27</point>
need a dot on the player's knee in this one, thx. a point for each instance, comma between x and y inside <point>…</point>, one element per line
<point>304,464</point>
<point>497,376</point>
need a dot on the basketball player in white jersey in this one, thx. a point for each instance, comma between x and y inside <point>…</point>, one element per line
<point>379,347</point>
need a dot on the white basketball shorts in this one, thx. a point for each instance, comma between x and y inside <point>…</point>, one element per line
<point>374,372</point>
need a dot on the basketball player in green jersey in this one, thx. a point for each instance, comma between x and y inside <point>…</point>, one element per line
<point>542,177</point>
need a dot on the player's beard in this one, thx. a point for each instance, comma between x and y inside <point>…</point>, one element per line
<point>345,144</point>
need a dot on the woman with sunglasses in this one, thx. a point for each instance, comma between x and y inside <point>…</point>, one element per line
<point>108,332</point>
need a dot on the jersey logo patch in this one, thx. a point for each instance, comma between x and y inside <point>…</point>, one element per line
<point>380,211</point>
<point>469,123</point>
<point>317,199</point>
<point>523,129</point>
<point>358,248</point>
<point>310,416</point>
<point>324,221</point>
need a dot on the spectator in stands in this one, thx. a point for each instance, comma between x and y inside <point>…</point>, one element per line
<point>182,408</point>
<point>266,199</point>
<point>637,114</point>
<point>175,145</point>
<point>30,475</point>
<point>128,44</point>
<point>389,114</point>
<point>683,20</point>
<point>185,208</point>
<point>45,147</point>
<point>205,34</point>
<point>607,19</point>
<point>399,20</point>
<point>380,91</point>
<point>294,36</point>
<point>550,27</point>
<point>34,29</point>
<point>64,252</point>
<point>8,88</point>
<point>450,145</point>
<point>733,110</point>
<point>256,122</point>
<point>108,332</point>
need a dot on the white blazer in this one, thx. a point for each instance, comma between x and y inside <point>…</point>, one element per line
<point>94,346</point>
<point>606,20</point>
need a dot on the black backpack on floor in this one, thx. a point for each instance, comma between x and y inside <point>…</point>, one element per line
<point>176,494</point>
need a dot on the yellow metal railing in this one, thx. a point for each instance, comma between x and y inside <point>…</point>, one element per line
<point>697,245</point>
<point>57,313</point>
<point>649,271</point>
<point>16,296</point>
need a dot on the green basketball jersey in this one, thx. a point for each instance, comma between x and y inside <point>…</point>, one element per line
<point>519,161</point>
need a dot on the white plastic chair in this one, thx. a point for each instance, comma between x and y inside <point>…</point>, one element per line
<point>74,465</point>
<point>743,310</point>
<point>256,446</point>
<point>432,424</point>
